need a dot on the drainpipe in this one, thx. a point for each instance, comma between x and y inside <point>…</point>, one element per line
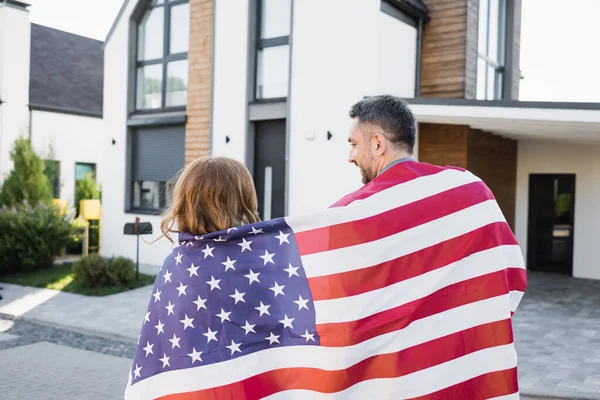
<point>418,69</point>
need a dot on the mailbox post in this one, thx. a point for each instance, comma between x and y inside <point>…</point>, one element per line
<point>137,228</point>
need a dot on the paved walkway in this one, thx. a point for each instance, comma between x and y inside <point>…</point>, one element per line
<point>118,315</point>
<point>557,333</point>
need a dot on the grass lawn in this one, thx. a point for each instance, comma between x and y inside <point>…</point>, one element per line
<point>61,278</point>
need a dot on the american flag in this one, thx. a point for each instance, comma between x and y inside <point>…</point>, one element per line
<point>404,289</point>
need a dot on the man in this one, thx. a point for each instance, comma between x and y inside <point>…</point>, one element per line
<point>382,135</point>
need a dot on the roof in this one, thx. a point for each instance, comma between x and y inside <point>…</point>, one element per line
<point>66,72</point>
<point>414,8</point>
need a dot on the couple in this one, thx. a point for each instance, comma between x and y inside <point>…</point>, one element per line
<point>405,287</point>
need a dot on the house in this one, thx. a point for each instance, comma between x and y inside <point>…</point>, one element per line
<point>270,83</point>
<point>51,90</point>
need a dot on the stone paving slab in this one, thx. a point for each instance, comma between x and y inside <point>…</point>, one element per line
<point>557,336</point>
<point>49,371</point>
<point>118,315</point>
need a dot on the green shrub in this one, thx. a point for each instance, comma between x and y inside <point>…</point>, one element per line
<point>95,271</point>
<point>86,189</point>
<point>26,181</point>
<point>31,236</point>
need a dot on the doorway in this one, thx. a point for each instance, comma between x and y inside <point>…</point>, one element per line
<point>269,167</point>
<point>551,223</point>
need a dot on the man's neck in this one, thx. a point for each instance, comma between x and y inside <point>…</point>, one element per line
<point>388,161</point>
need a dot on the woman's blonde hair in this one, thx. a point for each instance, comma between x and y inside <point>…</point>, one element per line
<point>212,194</point>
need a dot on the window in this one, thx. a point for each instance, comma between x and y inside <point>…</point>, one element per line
<point>52,171</point>
<point>490,49</point>
<point>158,156</point>
<point>273,52</point>
<point>163,35</point>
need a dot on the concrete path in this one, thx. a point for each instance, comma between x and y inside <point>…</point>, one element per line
<point>117,315</point>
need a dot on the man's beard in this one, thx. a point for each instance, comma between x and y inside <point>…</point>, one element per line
<point>366,176</point>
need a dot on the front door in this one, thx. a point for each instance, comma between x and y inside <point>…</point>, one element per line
<point>269,167</point>
<point>551,223</point>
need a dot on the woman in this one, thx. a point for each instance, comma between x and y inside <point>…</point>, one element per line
<point>211,195</point>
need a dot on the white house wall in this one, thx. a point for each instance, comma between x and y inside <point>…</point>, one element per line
<point>114,158</point>
<point>563,158</point>
<point>15,36</point>
<point>230,79</point>
<point>75,139</point>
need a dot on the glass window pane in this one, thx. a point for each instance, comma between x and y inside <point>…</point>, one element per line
<point>180,29</point>
<point>494,37</point>
<point>149,86</point>
<point>146,195</point>
<point>482,28</point>
<point>177,81</point>
<point>81,170</point>
<point>155,2</point>
<point>481,68</point>
<point>491,83</point>
<point>150,35</point>
<point>273,72</point>
<point>275,18</point>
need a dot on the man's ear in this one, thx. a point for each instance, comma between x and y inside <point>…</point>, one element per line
<point>379,144</point>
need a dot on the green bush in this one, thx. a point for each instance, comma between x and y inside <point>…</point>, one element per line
<point>86,189</point>
<point>31,236</point>
<point>26,181</point>
<point>96,271</point>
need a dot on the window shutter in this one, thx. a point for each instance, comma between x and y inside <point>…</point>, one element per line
<point>158,153</point>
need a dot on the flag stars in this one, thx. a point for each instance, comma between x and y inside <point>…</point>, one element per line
<point>195,355</point>
<point>301,303</point>
<point>268,258</point>
<point>157,295</point>
<point>283,238</point>
<point>214,283</point>
<point>234,347</point>
<point>193,270</point>
<point>231,229</point>
<point>211,335</point>
<point>165,360</point>
<point>137,371</point>
<point>170,308</point>
<point>238,296</point>
<point>263,309</point>
<point>200,303</point>
<point>159,328</point>
<point>287,322</point>
<point>245,244</point>
<point>248,328</point>
<point>308,336</point>
<point>272,338</point>
<point>256,231</point>
<point>223,315</point>
<point>174,342</point>
<point>178,258</point>
<point>291,271</point>
<point>148,348</point>
<point>187,322</point>
<point>253,277</point>
<point>208,251</point>
<point>167,276</point>
<point>278,289</point>
<point>181,289</point>
<point>229,264</point>
<point>147,317</point>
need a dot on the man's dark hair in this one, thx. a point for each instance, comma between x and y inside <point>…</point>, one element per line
<point>392,115</point>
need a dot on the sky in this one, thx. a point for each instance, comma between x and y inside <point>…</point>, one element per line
<point>560,60</point>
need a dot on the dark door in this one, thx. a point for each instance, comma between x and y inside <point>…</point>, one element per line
<point>269,167</point>
<point>551,223</point>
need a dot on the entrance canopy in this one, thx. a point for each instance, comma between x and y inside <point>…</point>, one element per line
<point>573,122</point>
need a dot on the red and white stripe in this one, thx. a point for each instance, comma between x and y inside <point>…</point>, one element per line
<point>414,285</point>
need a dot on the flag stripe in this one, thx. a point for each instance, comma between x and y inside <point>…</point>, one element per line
<point>498,385</point>
<point>393,221</point>
<point>487,365</point>
<point>353,308</point>
<point>321,357</point>
<point>402,174</point>
<point>411,265</point>
<point>392,365</point>
<point>389,199</point>
<point>452,296</point>
<point>402,243</point>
